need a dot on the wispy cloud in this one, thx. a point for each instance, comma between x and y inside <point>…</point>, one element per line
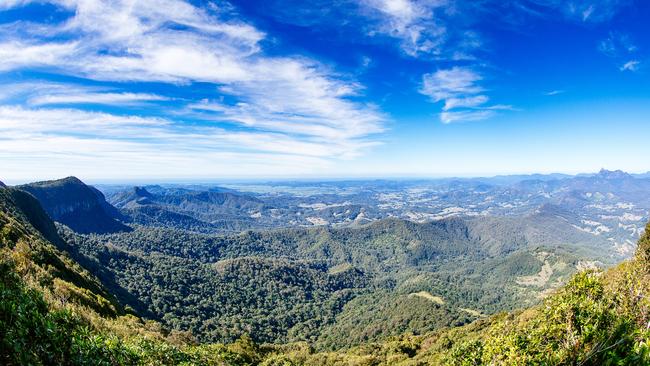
<point>475,101</point>
<point>81,137</point>
<point>280,104</point>
<point>587,11</point>
<point>441,30</point>
<point>459,88</point>
<point>451,83</point>
<point>465,116</point>
<point>445,29</point>
<point>620,47</point>
<point>412,22</point>
<point>8,4</point>
<point>18,54</point>
<point>41,93</point>
<point>617,44</point>
<point>632,65</point>
<point>554,92</point>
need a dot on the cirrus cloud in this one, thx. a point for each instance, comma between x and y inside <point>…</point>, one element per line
<point>275,105</point>
<point>460,89</point>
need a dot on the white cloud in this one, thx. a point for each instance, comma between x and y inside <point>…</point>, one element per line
<point>451,83</point>
<point>465,116</point>
<point>8,4</point>
<point>15,120</point>
<point>283,105</point>
<point>632,65</point>
<point>96,98</point>
<point>461,92</point>
<point>40,93</point>
<point>475,101</point>
<point>31,132</point>
<point>554,92</point>
<point>16,54</point>
<point>412,22</point>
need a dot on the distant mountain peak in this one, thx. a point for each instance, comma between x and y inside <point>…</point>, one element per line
<point>142,192</point>
<point>613,174</point>
<point>2,185</point>
<point>72,179</point>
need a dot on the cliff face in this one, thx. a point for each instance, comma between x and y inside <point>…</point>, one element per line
<point>73,203</point>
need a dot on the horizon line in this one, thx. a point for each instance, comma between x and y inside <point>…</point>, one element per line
<point>288,179</point>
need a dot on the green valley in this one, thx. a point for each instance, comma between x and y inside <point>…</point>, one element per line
<point>54,311</point>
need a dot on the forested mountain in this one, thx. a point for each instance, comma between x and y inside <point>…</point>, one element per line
<point>454,265</point>
<point>331,286</point>
<point>81,207</point>
<point>53,311</point>
<point>201,211</point>
<point>609,205</point>
<point>598,318</point>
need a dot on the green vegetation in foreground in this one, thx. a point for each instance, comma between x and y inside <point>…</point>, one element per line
<point>52,311</point>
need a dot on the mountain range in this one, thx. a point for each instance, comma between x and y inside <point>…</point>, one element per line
<point>82,295</point>
<point>175,255</point>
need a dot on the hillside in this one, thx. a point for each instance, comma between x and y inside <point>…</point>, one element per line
<point>67,317</point>
<point>598,318</point>
<point>200,211</point>
<point>337,287</point>
<point>333,287</point>
<point>54,312</point>
<point>37,275</point>
<point>81,207</point>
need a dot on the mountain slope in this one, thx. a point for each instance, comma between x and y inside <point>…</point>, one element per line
<point>200,211</point>
<point>28,231</point>
<point>598,318</point>
<point>476,269</point>
<point>73,203</point>
<point>34,275</point>
<point>52,311</point>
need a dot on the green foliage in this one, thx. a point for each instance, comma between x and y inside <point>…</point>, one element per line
<point>53,312</point>
<point>643,251</point>
<point>580,324</point>
<point>333,287</point>
<point>271,299</point>
<point>379,314</point>
<point>33,334</point>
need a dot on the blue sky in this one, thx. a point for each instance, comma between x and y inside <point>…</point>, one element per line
<point>173,89</point>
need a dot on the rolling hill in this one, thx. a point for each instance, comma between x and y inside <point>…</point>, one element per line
<point>317,283</point>
<point>55,312</point>
<point>200,211</point>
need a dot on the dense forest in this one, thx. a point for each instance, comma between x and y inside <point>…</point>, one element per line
<point>331,287</point>
<point>54,311</point>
